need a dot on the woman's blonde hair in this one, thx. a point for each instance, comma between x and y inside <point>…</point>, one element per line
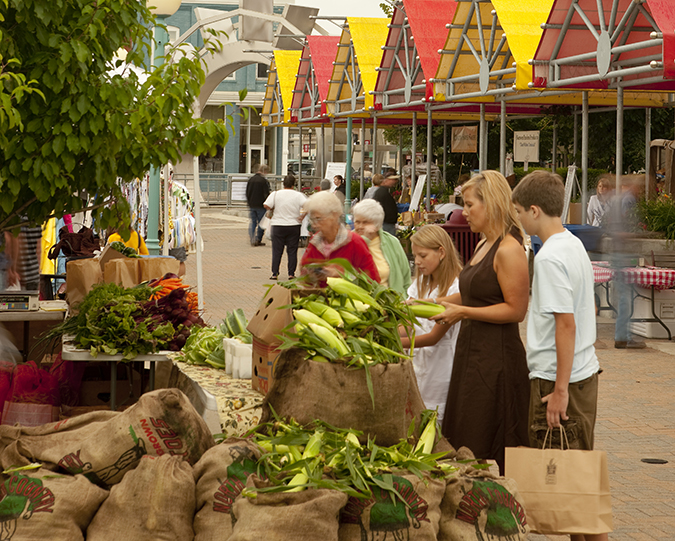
<point>494,191</point>
<point>433,237</point>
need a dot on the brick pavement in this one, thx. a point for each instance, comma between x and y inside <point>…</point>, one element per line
<point>636,410</point>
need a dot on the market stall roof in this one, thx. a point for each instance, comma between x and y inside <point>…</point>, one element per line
<point>311,85</point>
<point>279,89</point>
<point>354,73</point>
<point>598,44</point>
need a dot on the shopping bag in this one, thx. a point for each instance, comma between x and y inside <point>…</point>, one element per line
<point>264,223</point>
<point>565,491</point>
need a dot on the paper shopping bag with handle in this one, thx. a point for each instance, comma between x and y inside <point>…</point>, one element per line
<point>565,491</point>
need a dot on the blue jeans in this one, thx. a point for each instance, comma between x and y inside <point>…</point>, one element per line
<point>256,215</point>
<point>622,326</point>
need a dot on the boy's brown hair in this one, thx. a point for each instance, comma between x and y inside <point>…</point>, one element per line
<point>542,189</point>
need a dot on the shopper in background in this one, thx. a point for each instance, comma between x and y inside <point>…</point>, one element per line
<point>383,196</point>
<point>489,391</point>
<point>134,241</point>
<point>599,203</point>
<point>377,181</point>
<point>285,223</point>
<point>9,253</point>
<point>390,259</point>
<point>257,190</point>
<point>437,268</point>
<point>333,240</point>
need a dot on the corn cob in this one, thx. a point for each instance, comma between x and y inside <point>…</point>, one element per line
<point>331,338</point>
<point>330,315</point>
<point>348,317</point>
<point>344,287</point>
<point>306,317</point>
<point>356,305</point>
<point>428,438</point>
<point>426,310</point>
<point>313,446</point>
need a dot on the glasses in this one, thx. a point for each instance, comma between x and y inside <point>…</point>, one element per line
<point>316,220</point>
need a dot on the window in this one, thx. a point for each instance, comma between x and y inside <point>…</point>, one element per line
<point>262,71</point>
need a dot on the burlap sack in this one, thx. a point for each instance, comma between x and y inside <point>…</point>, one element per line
<point>478,505</point>
<point>155,501</point>
<point>43,505</point>
<point>287,516</point>
<point>221,475</point>
<point>105,445</point>
<point>378,516</point>
<point>156,267</point>
<point>307,390</point>
<point>81,275</point>
<point>122,271</point>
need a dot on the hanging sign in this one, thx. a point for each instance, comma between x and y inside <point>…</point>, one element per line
<point>417,194</point>
<point>526,146</point>
<point>464,139</point>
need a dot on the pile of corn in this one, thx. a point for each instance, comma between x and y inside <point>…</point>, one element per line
<point>323,456</point>
<point>353,322</point>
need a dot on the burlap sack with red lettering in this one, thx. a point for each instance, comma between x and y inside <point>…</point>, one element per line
<point>221,475</point>
<point>331,392</point>
<point>418,518</point>
<point>40,504</point>
<point>287,516</point>
<point>155,501</point>
<point>478,505</point>
<point>105,445</point>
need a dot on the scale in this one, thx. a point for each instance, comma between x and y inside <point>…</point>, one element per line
<point>19,301</point>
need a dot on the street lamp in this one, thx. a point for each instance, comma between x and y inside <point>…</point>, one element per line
<point>161,9</point>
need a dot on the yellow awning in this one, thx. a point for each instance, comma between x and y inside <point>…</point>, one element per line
<point>521,20</point>
<point>287,63</point>
<point>368,34</point>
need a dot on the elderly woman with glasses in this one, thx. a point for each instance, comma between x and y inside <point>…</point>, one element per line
<point>390,259</point>
<point>333,240</point>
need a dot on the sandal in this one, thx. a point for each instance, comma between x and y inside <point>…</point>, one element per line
<point>274,277</point>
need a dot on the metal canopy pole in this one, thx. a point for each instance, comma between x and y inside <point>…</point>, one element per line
<point>502,139</point>
<point>198,231</point>
<point>554,153</point>
<point>348,171</point>
<point>413,162</point>
<point>482,147</point>
<point>619,137</point>
<point>323,152</point>
<point>445,151</point>
<point>374,144</point>
<point>300,164</point>
<point>575,150</point>
<point>648,148</point>
<point>584,157</point>
<point>363,154</point>
<point>400,153</point>
<point>429,151</point>
<point>332,142</point>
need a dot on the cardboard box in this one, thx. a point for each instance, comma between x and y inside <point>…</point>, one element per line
<point>575,214</point>
<point>268,322</point>
<point>434,217</point>
<point>664,306</point>
<point>108,254</point>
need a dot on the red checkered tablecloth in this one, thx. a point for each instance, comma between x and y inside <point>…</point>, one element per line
<point>657,277</point>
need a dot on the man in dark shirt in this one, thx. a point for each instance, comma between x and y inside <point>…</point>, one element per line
<point>257,190</point>
<point>383,197</point>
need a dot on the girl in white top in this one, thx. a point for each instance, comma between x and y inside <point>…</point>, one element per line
<point>437,269</point>
<point>599,203</point>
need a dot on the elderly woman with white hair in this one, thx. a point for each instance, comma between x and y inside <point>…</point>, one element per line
<point>390,259</point>
<point>333,240</point>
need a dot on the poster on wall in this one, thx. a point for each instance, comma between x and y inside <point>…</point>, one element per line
<point>335,168</point>
<point>464,139</point>
<point>239,188</point>
<point>526,146</point>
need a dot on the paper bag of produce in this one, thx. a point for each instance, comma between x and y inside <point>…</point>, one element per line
<point>478,505</point>
<point>415,515</point>
<point>104,445</point>
<point>155,501</point>
<point>122,271</point>
<point>221,475</point>
<point>308,390</point>
<point>156,267</point>
<point>40,504</point>
<point>287,516</point>
<point>81,275</point>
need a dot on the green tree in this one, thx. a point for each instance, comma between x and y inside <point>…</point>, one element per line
<point>73,129</point>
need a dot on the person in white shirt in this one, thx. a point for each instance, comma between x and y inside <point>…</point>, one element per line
<point>599,203</point>
<point>286,224</point>
<point>561,323</point>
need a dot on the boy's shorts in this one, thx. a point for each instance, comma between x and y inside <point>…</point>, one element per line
<point>581,410</point>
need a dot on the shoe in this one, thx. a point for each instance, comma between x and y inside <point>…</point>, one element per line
<point>274,277</point>
<point>291,276</point>
<point>630,344</point>
<point>259,243</point>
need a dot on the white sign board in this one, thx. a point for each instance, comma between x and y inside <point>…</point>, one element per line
<point>464,139</point>
<point>526,146</point>
<point>239,190</point>
<point>417,194</point>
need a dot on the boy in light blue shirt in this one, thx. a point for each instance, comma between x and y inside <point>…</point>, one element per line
<point>561,321</point>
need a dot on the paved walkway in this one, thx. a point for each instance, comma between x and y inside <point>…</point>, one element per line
<point>636,411</point>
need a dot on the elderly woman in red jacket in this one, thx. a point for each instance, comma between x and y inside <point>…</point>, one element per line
<point>333,240</point>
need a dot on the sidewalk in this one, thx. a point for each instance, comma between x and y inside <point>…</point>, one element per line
<point>636,409</point>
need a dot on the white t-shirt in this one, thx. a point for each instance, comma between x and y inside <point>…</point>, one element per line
<point>287,205</point>
<point>433,364</point>
<point>563,284</point>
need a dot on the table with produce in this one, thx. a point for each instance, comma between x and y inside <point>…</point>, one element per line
<point>341,447</point>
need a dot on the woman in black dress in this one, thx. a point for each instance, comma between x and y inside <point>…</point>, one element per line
<point>487,407</point>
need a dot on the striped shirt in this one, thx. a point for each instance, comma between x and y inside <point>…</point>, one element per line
<point>28,264</point>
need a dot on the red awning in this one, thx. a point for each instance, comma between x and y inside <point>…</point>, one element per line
<point>663,12</point>
<point>323,50</point>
